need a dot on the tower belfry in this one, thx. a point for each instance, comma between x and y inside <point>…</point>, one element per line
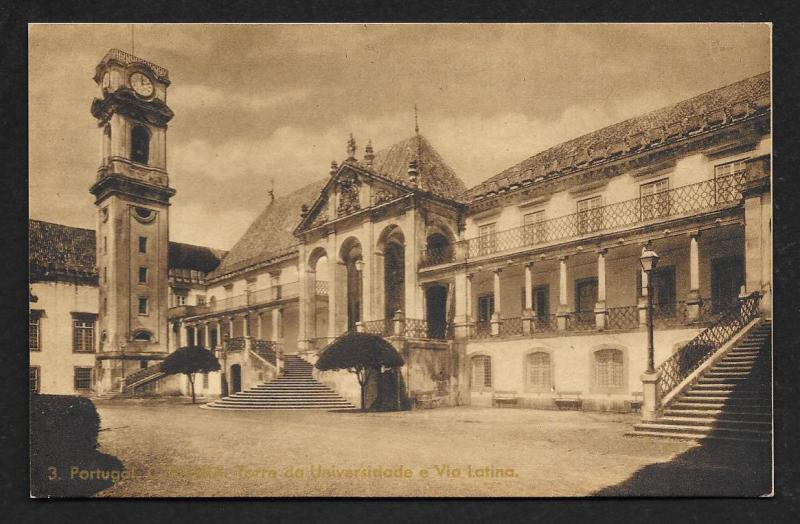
<point>132,196</point>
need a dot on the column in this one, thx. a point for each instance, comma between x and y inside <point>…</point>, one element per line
<point>563,301</point>
<point>333,291</point>
<point>496,320</point>
<point>461,322</point>
<point>306,299</point>
<point>246,325</point>
<point>757,195</point>
<point>600,311</point>
<point>219,332</point>
<point>276,324</point>
<point>367,274</point>
<point>179,335</point>
<point>527,314</point>
<point>693,301</point>
<point>259,325</point>
<point>206,336</point>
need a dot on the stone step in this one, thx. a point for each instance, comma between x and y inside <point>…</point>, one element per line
<point>685,428</point>
<point>718,414</point>
<point>715,422</point>
<point>695,436</point>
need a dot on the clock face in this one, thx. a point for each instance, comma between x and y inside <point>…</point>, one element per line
<point>141,85</point>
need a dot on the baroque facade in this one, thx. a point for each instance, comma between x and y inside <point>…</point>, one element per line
<point>525,288</point>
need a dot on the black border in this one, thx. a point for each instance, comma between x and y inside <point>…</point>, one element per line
<point>13,357</point>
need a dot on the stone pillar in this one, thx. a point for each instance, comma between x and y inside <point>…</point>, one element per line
<point>527,313</point>
<point>179,335</point>
<point>246,325</point>
<point>230,327</point>
<point>651,401</point>
<point>219,333</point>
<point>758,231</point>
<point>367,291</point>
<point>461,321</point>
<point>333,284</point>
<point>306,299</point>
<point>276,324</point>
<point>206,335</point>
<point>563,298</point>
<point>414,307</point>
<point>259,325</point>
<point>693,298</point>
<point>600,311</point>
<point>399,324</point>
<point>496,318</point>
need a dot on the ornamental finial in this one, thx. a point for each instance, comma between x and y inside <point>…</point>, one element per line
<point>369,155</point>
<point>351,148</point>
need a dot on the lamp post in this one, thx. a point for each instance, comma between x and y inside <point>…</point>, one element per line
<point>650,378</point>
<point>649,261</point>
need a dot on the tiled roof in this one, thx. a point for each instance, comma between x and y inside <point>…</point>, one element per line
<point>270,235</point>
<point>706,111</point>
<point>59,249</point>
<point>434,174</point>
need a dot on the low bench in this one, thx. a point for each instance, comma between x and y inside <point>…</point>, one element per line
<point>426,400</point>
<point>568,399</point>
<point>504,397</point>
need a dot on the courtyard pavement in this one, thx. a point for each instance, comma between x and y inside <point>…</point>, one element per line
<point>171,448</point>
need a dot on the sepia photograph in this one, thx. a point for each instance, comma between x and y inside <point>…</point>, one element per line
<point>400,260</point>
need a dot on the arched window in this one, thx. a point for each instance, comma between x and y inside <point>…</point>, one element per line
<point>106,143</point>
<point>481,372</point>
<point>608,368</point>
<point>540,375</point>
<point>142,336</point>
<point>140,144</point>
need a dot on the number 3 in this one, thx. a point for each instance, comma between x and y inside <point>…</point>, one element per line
<point>52,473</point>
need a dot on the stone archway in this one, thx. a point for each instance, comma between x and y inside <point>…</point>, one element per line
<point>391,244</point>
<point>352,258</point>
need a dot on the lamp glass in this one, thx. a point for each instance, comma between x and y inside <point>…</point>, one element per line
<point>649,260</point>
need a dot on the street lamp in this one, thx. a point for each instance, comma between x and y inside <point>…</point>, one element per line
<point>223,376</point>
<point>649,261</point>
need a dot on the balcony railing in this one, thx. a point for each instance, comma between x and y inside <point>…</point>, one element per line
<point>382,328</point>
<point>680,365</point>
<point>434,256</point>
<point>511,327</point>
<point>623,318</point>
<point>235,344</point>
<point>261,296</point>
<point>702,196</point>
<point>581,321</point>
<point>268,350</point>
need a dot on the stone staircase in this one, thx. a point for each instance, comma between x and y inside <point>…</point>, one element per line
<point>134,380</point>
<point>294,389</point>
<point>732,400</point>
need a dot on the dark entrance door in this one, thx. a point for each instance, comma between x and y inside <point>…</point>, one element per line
<point>585,295</point>
<point>236,378</point>
<point>436,302</point>
<point>541,301</point>
<point>727,277</point>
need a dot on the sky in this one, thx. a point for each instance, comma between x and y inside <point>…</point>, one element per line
<point>263,105</point>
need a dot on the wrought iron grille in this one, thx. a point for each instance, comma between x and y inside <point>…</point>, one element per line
<point>626,317</point>
<point>701,196</point>
<point>268,350</point>
<point>420,328</point>
<point>321,288</point>
<point>433,256</point>
<point>236,344</point>
<point>511,327</point>
<point>545,324</point>
<point>581,321</point>
<point>382,327</point>
<point>482,329</point>
<point>680,365</point>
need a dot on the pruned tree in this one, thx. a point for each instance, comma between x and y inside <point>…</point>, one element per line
<point>188,361</point>
<point>361,354</point>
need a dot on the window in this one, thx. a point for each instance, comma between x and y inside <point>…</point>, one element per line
<point>105,274</point>
<point>533,230</point>
<point>142,336</point>
<point>608,368</point>
<point>654,199</point>
<point>83,378</point>
<point>201,300</point>
<point>540,376</point>
<point>142,244</point>
<point>180,300</point>
<point>34,331</point>
<point>481,372</point>
<point>487,239</point>
<point>140,144</point>
<point>485,311</point>
<point>34,374</point>
<point>105,244</point>
<point>205,380</point>
<point>590,215</point>
<point>228,290</point>
<point>143,306</point>
<point>83,333</point>
<point>725,181</point>
<point>541,302</point>
<point>143,275</point>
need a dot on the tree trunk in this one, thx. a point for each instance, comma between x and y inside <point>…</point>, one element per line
<point>191,383</point>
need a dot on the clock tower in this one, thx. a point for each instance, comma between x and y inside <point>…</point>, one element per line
<point>132,196</point>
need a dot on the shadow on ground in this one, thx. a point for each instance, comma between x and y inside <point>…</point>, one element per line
<point>713,468</point>
<point>63,448</point>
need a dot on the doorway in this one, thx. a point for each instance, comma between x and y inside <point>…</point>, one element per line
<point>727,277</point>
<point>436,305</point>
<point>236,378</point>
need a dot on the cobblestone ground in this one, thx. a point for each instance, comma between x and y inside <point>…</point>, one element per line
<point>175,449</point>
